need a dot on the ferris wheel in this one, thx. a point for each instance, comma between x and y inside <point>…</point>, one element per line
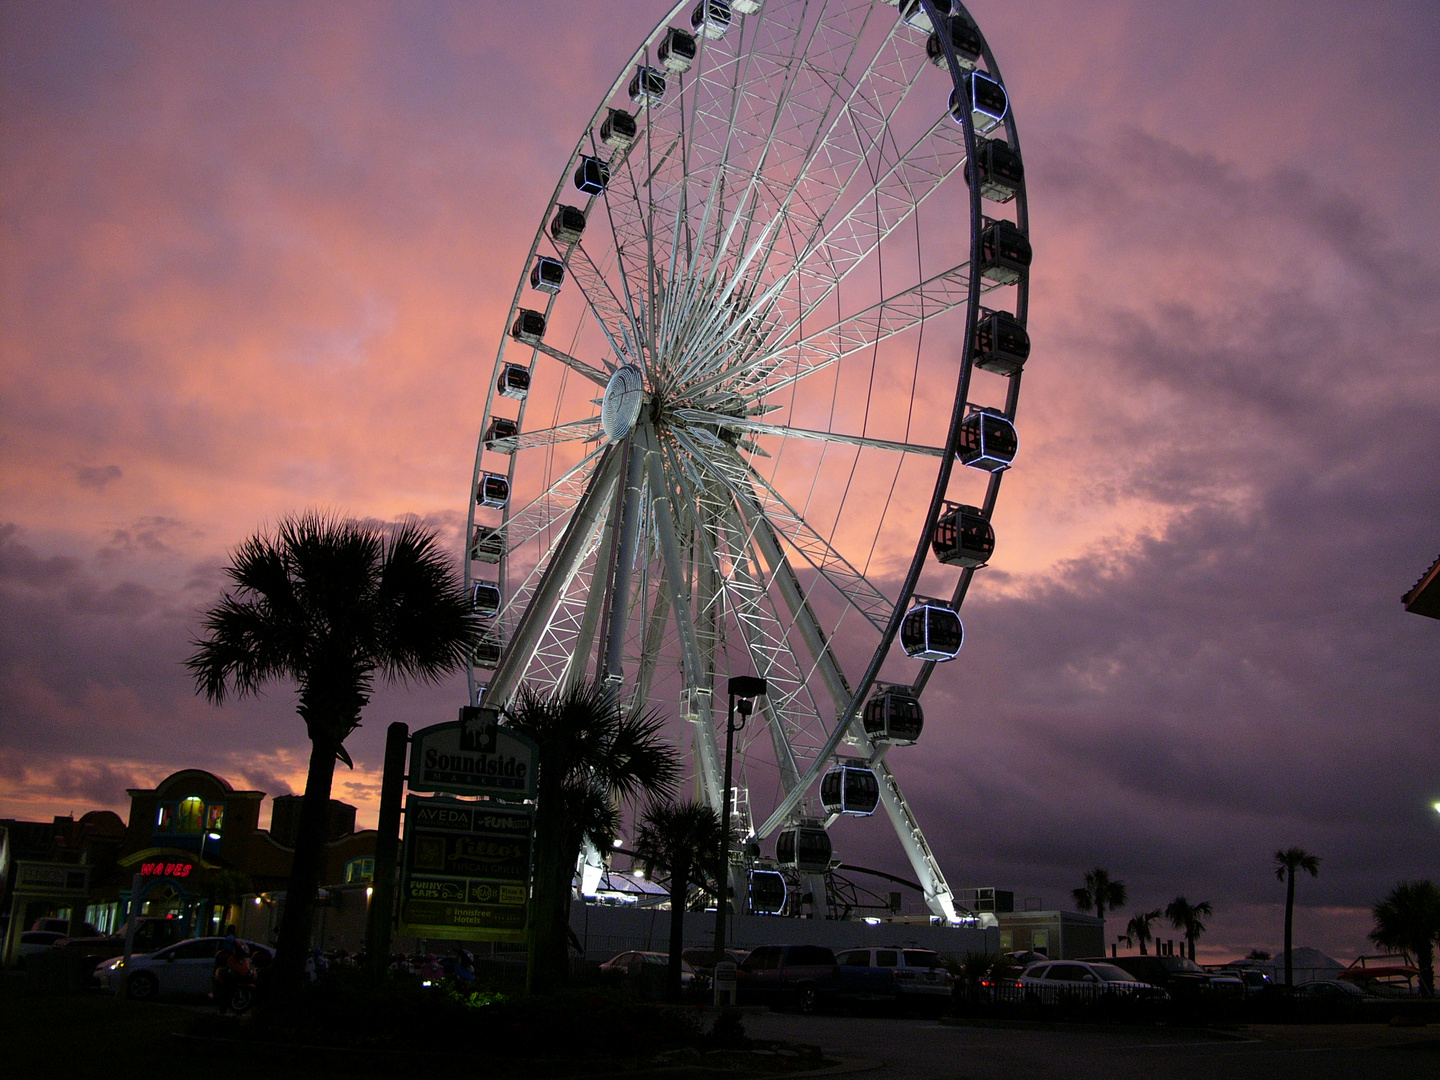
<point>765,316</point>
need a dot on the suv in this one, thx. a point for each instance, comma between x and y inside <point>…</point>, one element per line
<point>919,974</point>
<point>1179,976</point>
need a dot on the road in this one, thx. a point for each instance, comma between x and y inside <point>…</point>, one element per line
<point>922,1049</point>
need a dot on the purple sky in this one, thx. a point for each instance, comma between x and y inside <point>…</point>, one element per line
<point>255,258</point>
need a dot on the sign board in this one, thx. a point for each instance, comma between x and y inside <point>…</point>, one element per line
<point>473,756</point>
<point>466,869</point>
<point>52,879</point>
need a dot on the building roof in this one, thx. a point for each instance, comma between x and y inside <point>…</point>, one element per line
<point>1424,598</point>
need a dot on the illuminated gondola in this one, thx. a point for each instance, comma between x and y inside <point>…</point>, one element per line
<point>893,715</point>
<point>963,536</point>
<point>931,630</point>
<point>987,441</point>
<point>804,847</point>
<point>850,787</point>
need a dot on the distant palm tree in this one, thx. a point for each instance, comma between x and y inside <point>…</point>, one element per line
<point>1408,919</point>
<point>1286,863</point>
<point>1137,930</point>
<point>591,750</point>
<point>1185,917</point>
<point>330,604</point>
<point>1099,893</point>
<point>681,842</point>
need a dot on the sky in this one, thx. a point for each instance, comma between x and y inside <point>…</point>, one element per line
<point>256,258</point>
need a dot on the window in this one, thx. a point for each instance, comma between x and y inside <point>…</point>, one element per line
<point>856,959</point>
<point>165,818</point>
<point>887,958</point>
<point>192,814</point>
<point>214,818</point>
<point>359,870</point>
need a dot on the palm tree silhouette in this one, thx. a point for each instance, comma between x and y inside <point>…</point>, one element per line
<point>1099,893</point>
<point>591,753</point>
<point>330,604</point>
<point>1286,863</point>
<point>1137,930</point>
<point>1408,919</point>
<point>680,841</point>
<point>1185,916</point>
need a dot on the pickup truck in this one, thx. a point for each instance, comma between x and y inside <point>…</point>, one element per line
<point>807,978</point>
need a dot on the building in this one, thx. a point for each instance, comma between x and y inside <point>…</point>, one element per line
<point>1061,935</point>
<point>192,850</point>
<point>1424,598</point>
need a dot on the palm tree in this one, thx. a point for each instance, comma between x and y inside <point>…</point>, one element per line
<point>1185,916</point>
<point>1286,863</point>
<point>1408,919</point>
<point>591,751</point>
<point>1099,893</point>
<point>680,841</point>
<point>329,604</point>
<point>1137,930</point>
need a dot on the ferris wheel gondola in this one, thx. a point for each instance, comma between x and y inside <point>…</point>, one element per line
<point>746,352</point>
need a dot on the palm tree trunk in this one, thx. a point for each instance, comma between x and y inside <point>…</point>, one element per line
<point>549,914</point>
<point>679,889</point>
<point>1289,923</point>
<point>1426,956</point>
<point>294,944</point>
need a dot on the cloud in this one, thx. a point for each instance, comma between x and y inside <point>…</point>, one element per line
<point>97,477</point>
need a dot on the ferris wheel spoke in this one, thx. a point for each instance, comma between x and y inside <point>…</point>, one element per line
<point>792,527</point>
<point>551,506</point>
<point>760,427</point>
<point>561,433</point>
<point>559,571</point>
<point>594,374</point>
<point>894,315</point>
<point>613,316</point>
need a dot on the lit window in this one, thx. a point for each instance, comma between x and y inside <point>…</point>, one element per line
<point>192,814</point>
<point>214,818</point>
<point>359,870</point>
<point>165,818</point>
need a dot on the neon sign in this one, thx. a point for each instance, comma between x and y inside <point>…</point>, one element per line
<point>166,869</point>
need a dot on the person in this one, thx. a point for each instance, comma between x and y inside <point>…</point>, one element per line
<point>232,966</point>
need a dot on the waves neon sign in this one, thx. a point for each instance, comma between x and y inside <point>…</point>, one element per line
<point>166,869</point>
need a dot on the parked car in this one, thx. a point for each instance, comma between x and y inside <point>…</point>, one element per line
<point>62,927</point>
<point>807,977</point>
<point>639,964</point>
<point>702,959</point>
<point>919,974</point>
<point>185,968</point>
<point>1054,982</point>
<point>35,941</point>
<point>1179,976</point>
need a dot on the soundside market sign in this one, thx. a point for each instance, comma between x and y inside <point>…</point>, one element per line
<point>475,755</point>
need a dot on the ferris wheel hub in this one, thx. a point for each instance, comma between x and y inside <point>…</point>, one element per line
<point>620,407</point>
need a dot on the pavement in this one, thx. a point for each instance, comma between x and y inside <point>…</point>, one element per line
<point>881,1048</point>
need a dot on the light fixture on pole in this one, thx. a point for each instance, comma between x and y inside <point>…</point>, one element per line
<point>745,688</point>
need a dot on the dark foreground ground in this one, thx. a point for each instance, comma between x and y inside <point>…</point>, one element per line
<point>45,1037</point>
<point>913,1049</point>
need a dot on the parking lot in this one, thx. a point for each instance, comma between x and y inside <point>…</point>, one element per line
<point>922,1049</point>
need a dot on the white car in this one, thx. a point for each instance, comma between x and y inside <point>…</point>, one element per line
<point>918,973</point>
<point>1052,982</point>
<point>638,963</point>
<point>185,968</point>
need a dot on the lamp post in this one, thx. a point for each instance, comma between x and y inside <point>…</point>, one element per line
<point>746,688</point>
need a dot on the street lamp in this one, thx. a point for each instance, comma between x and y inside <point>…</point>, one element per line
<point>746,688</point>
